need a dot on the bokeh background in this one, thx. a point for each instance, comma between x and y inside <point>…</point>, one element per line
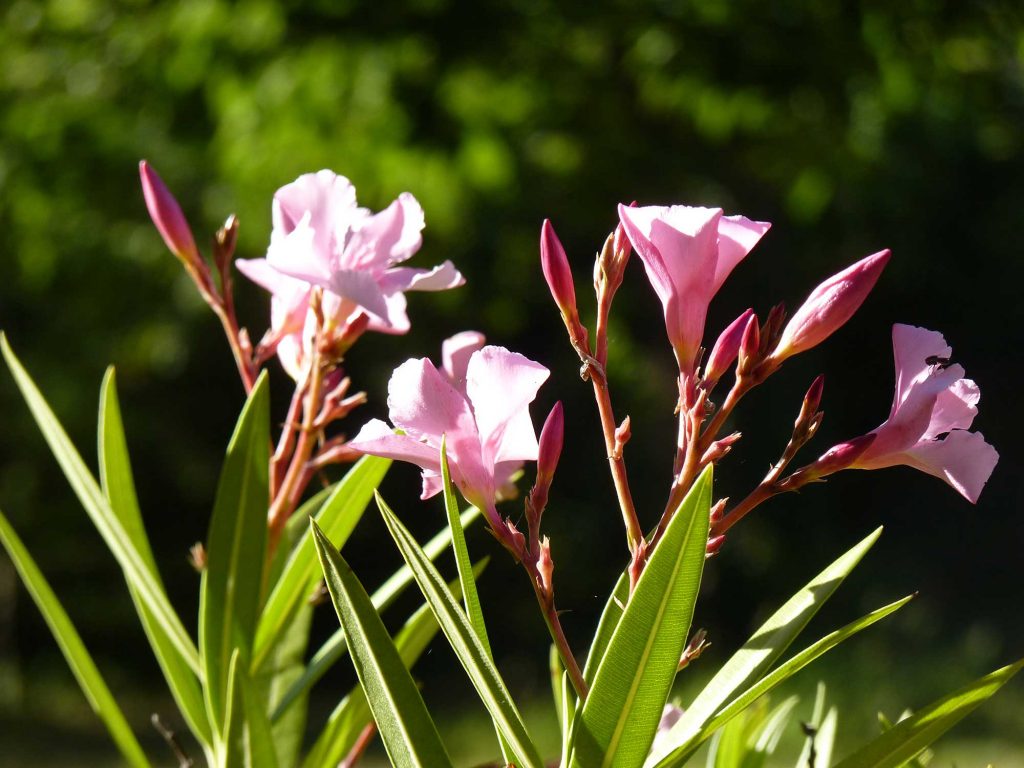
<point>850,126</point>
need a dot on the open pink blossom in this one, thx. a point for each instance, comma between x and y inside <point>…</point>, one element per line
<point>321,237</point>
<point>688,253</point>
<point>479,401</point>
<point>932,410</point>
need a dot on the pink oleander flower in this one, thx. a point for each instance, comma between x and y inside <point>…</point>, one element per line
<point>321,237</point>
<point>932,410</point>
<point>688,253</point>
<point>479,402</point>
<point>829,306</point>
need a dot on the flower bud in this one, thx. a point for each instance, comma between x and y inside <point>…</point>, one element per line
<point>807,422</point>
<point>714,545</point>
<point>167,216</point>
<point>750,344</point>
<point>724,353</point>
<point>557,273</point>
<point>550,449</point>
<point>830,305</point>
<point>546,566</point>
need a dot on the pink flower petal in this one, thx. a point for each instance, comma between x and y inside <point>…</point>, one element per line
<point>439,278</point>
<point>455,354</point>
<point>737,235</point>
<point>501,385</point>
<point>963,459</point>
<point>423,403</point>
<point>378,439</point>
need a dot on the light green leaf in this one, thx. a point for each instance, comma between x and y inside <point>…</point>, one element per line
<point>470,598</point>
<point>606,626</point>
<point>335,646</point>
<point>467,646</point>
<point>71,645</point>
<point>766,739</point>
<point>248,742</point>
<point>296,532</point>
<point>780,675</point>
<point>119,489</point>
<point>337,518</point>
<point>95,503</point>
<point>405,726</point>
<point>621,714</point>
<point>750,662</point>
<point>352,715</point>
<point>235,552</point>
<point>911,736</point>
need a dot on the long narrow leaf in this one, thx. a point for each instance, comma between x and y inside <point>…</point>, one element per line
<point>335,646</point>
<point>408,732</point>
<point>762,650</point>
<point>681,751</point>
<point>470,598</point>
<point>911,736</point>
<point>609,620</point>
<point>464,641</point>
<point>352,715</point>
<point>230,591</point>
<point>621,714</point>
<point>99,511</point>
<point>337,518</point>
<point>71,645</point>
<point>119,489</point>
<point>248,742</point>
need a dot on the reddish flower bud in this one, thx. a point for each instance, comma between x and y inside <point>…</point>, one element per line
<point>550,449</point>
<point>809,419</point>
<point>749,352</point>
<point>714,545</point>
<point>724,353</point>
<point>557,273</point>
<point>830,305</point>
<point>167,216</point>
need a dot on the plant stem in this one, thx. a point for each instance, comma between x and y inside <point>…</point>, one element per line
<point>284,501</point>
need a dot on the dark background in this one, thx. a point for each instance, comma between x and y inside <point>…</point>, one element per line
<point>851,127</point>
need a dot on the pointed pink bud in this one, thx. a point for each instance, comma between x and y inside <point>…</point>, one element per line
<point>557,273</point>
<point>548,452</point>
<point>167,216</point>
<point>830,305</point>
<point>750,344</point>
<point>552,435</point>
<point>718,449</point>
<point>724,353</point>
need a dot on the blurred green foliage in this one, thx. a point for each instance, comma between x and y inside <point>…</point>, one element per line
<point>851,126</point>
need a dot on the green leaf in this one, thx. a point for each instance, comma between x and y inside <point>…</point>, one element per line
<point>778,676</point>
<point>352,715</point>
<point>335,646</point>
<point>606,626</point>
<point>408,732</point>
<point>337,518</point>
<point>286,665</point>
<point>467,646</point>
<point>750,662</point>
<point>75,653</point>
<point>296,532</point>
<point>119,489</point>
<point>911,736</point>
<point>95,503</point>
<point>235,551</point>
<point>248,741</point>
<point>622,711</point>
<point>470,598</point>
